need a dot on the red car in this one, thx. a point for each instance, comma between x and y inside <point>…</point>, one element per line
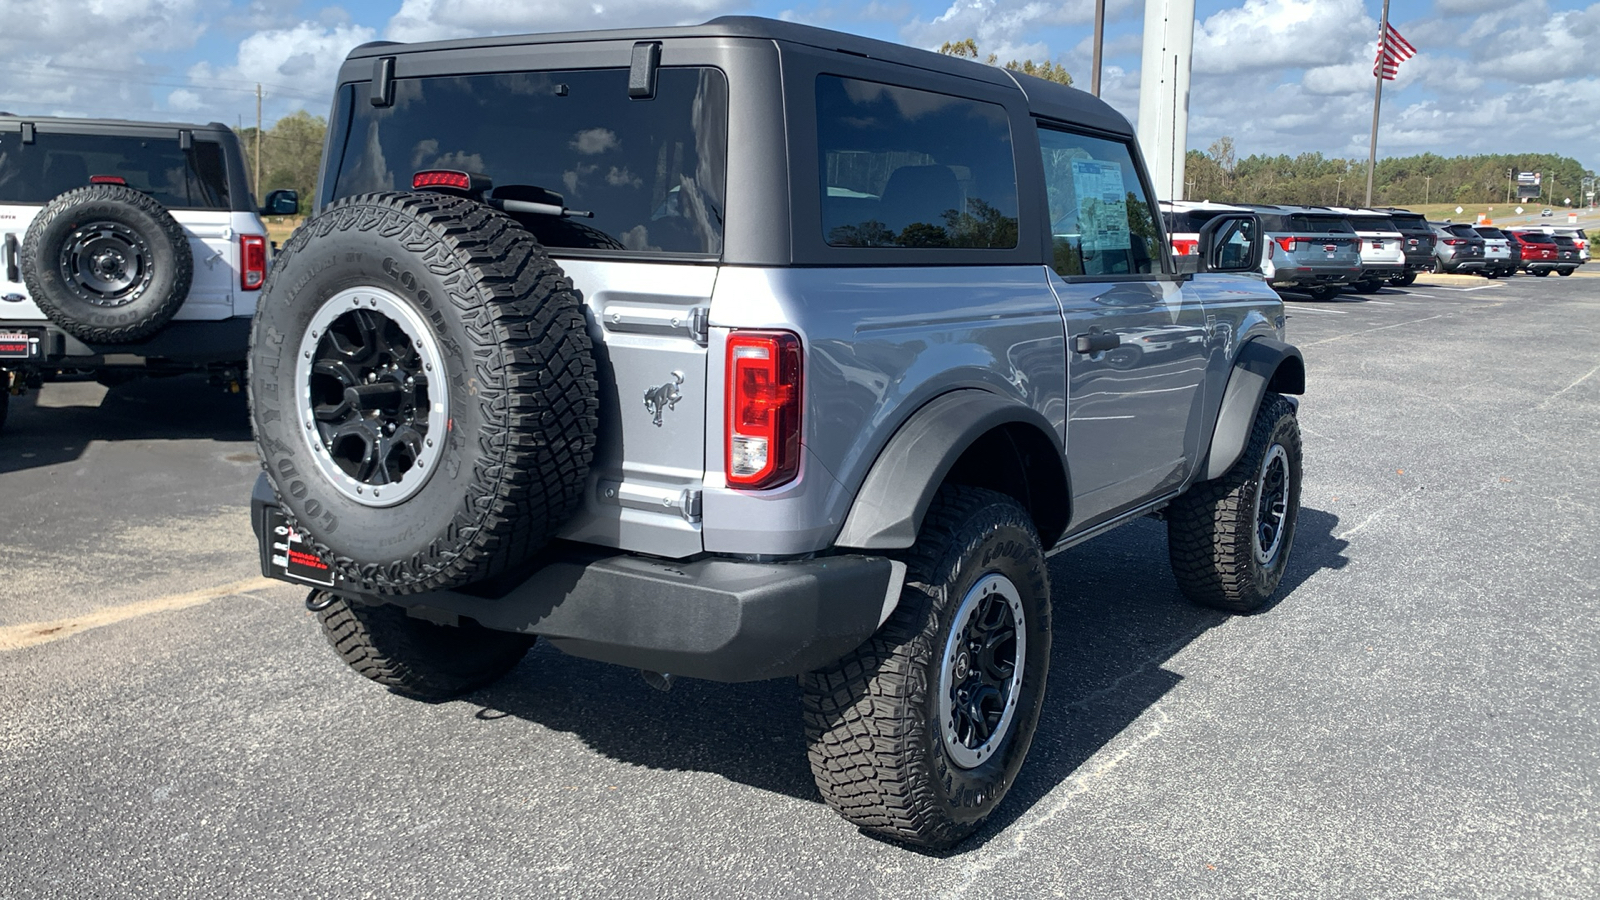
<point>1539,253</point>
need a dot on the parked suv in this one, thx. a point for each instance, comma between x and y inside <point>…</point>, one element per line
<point>1310,249</point>
<point>1458,249</point>
<point>1418,243</point>
<point>1383,255</point>
<point>752,350</point>
<point>1567,253</point>
<point>126,247</point>
<point>1497,256</point>
<point>1539,253</point>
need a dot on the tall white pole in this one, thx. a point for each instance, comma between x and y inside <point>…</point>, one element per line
<point>1164,92</point>
<point>1099,44</point>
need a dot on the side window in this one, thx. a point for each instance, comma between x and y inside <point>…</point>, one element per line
<point>1100,218</point>
<point>908,168</point>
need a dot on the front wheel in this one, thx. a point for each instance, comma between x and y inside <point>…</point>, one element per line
<point>1229,539</point>
<point>918,734</point>
<point>413,657</point>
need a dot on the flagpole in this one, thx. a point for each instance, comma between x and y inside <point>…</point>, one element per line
<point>1377,99</point>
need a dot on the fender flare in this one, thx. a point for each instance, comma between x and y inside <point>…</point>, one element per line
<point>1263,364</point>
<point>888,509</point>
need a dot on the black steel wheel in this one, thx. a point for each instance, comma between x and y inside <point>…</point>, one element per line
<point>107,263</point>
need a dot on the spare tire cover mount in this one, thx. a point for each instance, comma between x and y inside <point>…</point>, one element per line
<point>361,383</point>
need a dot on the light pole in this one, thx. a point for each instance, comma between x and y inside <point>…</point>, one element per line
<point>1190,186</point>
<point>1509,183</point>
<point>1338,185</point>
<point>1427,183</point>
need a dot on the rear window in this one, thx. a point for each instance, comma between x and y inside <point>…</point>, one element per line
<point>651,171</point>
<point>1410,223</point>
<point>1534,237</point>
<point>909,168</point>
<point>56,163</point>
<point>1310,224</point>
<point>1461,231</point>
<point>1193,220</point>
<point>1373,223</point>
<point>1494,233</point>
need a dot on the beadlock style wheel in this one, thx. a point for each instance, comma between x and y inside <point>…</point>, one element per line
<point>363,378</point>
<point>1272,504</point>
<point>979,678</point>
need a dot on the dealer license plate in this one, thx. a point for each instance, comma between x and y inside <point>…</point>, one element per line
<point>285,553</point>
<point>18,345</point>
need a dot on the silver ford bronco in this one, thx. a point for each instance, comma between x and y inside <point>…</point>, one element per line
<point>753,350</point>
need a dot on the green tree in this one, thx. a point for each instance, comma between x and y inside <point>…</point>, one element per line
<point>291,155</point>
<point>1049,71</point>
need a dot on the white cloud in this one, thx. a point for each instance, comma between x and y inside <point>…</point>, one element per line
<point>183,100</point>
<point>1010,29</point>
<point>427,20</point>
<point>296,66</point>
<point>1278,34</point>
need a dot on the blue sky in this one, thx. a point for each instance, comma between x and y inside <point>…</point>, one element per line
<point>1279,76</point>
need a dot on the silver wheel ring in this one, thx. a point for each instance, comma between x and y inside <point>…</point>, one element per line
<point>427,346</point>
<point>959,753</point>
<point>1265,555</point>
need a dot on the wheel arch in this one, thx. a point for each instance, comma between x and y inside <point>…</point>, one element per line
<point>970,437</point>
<point>1263,365</point>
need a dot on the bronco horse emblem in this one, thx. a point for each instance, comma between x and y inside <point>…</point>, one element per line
<point>663,397</point>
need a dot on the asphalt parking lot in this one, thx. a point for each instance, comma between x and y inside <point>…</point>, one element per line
<point>1416,717</point>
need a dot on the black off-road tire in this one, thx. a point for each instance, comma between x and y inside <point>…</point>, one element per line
<point>1403,280</point>
<point>519,377</point>
<point>1212,527</point>
<point>873,731</point>
<point>149,231</point>
<point>413,657</point>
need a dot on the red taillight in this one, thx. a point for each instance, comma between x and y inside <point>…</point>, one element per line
<point>1185,246</point>
<point>763,391</point>
<point>1451,242</point>
<point>445,178</point>
<point>1287,243</point>
<point>252,261</point>
<point>108,179</point>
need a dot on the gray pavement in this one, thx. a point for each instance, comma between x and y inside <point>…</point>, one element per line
<point>1416,718</point>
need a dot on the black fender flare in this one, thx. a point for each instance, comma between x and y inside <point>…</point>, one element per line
<point>888,509</point>
<point>1263,364</point>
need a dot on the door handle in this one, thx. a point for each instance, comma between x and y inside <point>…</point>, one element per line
<point>1096,341</point>
<point>11,258</point>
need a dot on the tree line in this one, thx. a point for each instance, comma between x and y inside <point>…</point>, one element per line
<point>291,155</point>
<point>1315,180</point>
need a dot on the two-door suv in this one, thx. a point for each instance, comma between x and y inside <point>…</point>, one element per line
<point>752,350</point>
<point>125,248</point>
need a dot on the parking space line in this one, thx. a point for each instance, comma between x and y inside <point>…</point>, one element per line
<point>16,637</point>
<point>1318,309</point>
<point>1340,337</point>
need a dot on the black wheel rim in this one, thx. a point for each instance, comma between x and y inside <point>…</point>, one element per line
<point>106,264</point>
<point>1272,505</point>
<point>981,671</point>
<point>368,401</point>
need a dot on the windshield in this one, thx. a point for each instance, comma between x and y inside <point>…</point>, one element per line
<point>56,163</point>
<point>651,171</point>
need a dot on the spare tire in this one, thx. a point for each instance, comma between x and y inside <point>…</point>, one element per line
<point>107,263</point>
<point>422,390</point>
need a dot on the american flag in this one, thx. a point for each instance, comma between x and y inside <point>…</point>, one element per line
<point>1392,51</point>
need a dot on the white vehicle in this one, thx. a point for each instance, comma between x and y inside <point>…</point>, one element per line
<point>1185,218</point>
<point>125,248</point>
<point>1496,252</point>
<point>1383,254</point>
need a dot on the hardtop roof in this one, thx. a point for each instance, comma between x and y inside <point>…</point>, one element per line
<point>1044,98</point>
<point>13,120</point>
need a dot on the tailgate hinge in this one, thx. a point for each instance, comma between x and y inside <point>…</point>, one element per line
<point>700,324</point>
<point>691,505</point>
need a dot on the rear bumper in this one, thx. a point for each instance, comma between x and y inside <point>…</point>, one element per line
<point>1310,277</point>
<point>183,342</point>
<point>1381,271</point>
<point>717,619</point>
<point>1467,265</point>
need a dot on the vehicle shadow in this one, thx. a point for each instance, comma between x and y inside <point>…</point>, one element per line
<point>57,422</point>
<point>1118,618</point>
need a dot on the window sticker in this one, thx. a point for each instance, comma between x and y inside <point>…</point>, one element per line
<point>1102,205</point>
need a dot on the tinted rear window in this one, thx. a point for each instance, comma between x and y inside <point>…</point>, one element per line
<point>1535,237</point>
<point>1193,220</point>
<point>651,171</point>
<point>909,168</point>
<point>1373,223</point>
<point>1410,223</point>
<point>1465,231</point>
<point>1494,233</point>
<point>1311,224</point>
<point>56,163</point>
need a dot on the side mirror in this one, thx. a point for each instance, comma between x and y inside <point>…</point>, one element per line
<point>1231,242</point>
<point>282,203</point>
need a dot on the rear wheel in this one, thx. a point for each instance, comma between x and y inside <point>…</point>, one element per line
<point>1324,293</point>
<point>1402,280</point>
<point>1566,272</point>
<point>413,657</point>
<point>918,734</point>
<point>1229,539</point>
<point>1541,273</point>
<point>1367,287</point>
